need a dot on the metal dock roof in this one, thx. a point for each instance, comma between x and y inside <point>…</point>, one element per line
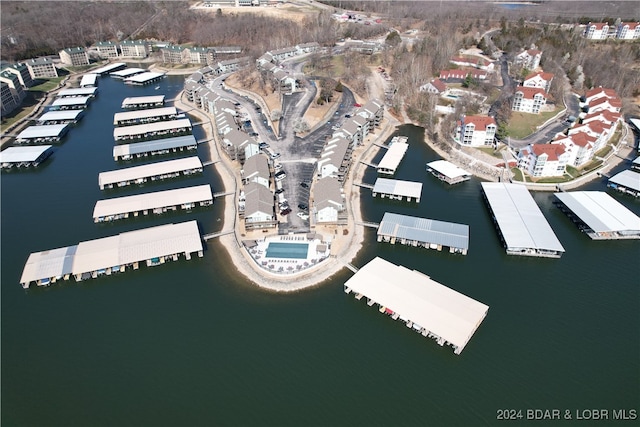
<point>89,80</point>
<point>144,171</point>
<point>78,91</point>
<point>397,187</point>
<point>138,100</point>
<point>415,296</point>
<point>425,230</point>
<point>127,72</point>
<point>448,169</point>
<point>154,145</point>
<point>627,178</point>
<point>45,131</point>
<point>145,77</point>
<point>59,115</point>
<point>601,212</point>
<point>143,114</point>
<point>23,154</point>
<point>135,130</point>
<point>72,100</point>
<point>393,156</point>
<point>521,222</point>
<point>48,264</point>
<point>109,67</point>
<point>149,201</point>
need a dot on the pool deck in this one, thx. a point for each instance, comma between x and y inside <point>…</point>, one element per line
<point>317,251</point>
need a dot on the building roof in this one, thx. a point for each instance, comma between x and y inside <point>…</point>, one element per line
<point>553,151</point>
<point>607,92</point>
<point>89,80</point>
<point>480,122</point>
<point>78,91</point>
<point>151,169</point>
<point>157,199</point>
<point>582,139</point>
<point>448,169</point>
<point>237,138</point>
<point>45,131</point>
<point>415,296</point>
<point>394,155</point>
<point>530,92</point>
<point>59,115</point>
<point>70,101</point>
<point>144,114</point>
<point>256,166</point>
<point>121,132</point>
<point>258,199</point>
<point>544,76</point>
<point>598,25</point>
<point>627,178</point>
<point>425,230</point>
<point>327,193</point>
<point>137,100</point>
<point>23,154</point>
<point>599,211</point>
<point>143,77</point>
<point>520,220</point>
<point>127,72</point>
<point>154,145</point>
<point>47,264</point>
<point>398,188</point>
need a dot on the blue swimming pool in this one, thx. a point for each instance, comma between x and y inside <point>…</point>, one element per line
<point>287,250</point>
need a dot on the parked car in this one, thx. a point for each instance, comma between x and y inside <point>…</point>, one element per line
<point>302,206</point>
<point>280,190</point>
<point>280,175</point>
<point>304,185</point>
<point>263,145</point>
<point>285,212</point>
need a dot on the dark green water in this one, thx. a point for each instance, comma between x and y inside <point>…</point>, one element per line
<point>191,343</point>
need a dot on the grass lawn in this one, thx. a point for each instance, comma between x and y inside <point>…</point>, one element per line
<point>554,179</point>
<point>47,85</point>
<point>490,151</point>
<point>603,151</point>
<point>524,124</point>
<point>518,175</point>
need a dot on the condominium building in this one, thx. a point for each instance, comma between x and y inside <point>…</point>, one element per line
<point>41,68</point>
<point>476,131</point>
<point>74,56</point>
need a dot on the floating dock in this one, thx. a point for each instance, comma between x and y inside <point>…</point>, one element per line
<point>150,115</point>
<point>448,172</point>
<point>71,103</point>
<point>144,78</point>
<point>127,72</point>
<point>23,157</point>
<point>135,102</point>
<point>154,147</point>
<point>426,306</point>
<point>60,117</point>
<point>42,134</point>
<point>394,155</point>
<point>635,165</point>
<point>109,255</point>
<point>78,91</point>
<point>157,202</point>
<point>109,68</point>
<point>89,80</point>
<point>424,233</point>
<point>153,171</point>
<point>627,182</point>
<point>599,216</point>
<point>148,130</point>
<point>397,190</point>
<point>523,229</point>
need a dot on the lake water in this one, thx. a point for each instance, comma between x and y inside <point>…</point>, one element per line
<point>193,343</point>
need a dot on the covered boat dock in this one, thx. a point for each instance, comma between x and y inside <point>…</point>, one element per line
<point>60,117</point>
<point>394,155</point>
<point>448,172</point>
<point>154,147</point>
<point>135,102</point>
<point>599,216</point>
<point>42,134</point>
<point>108,255</point>
<point>127,72</point>
<point>153,171</point>
<point>89,80</point>
<point>157,202</point>
<point>137,117</point>
<point>78,91</point>
<point>397,190</point>
<point>523,228</point>
<point>148,130</point>
<point>71,103</point>
<point>109,68</point>
<point>627,182</point>
<point>24,156</point>
<point>424,233</point>
<point>144,78</point>
<point>426,306</point>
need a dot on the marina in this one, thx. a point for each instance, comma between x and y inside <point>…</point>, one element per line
<point>127,72</point>
<point>108,255</point>
<point>523,229</point>
<point>154,147</point>
<point>448,172</point>
<point>78,91</point>
<point>109,68</point>
<point>152,171</point>
<point>89,80</point>
<point>59,117</point>
<point>157,202</point>
<point>70,103</point>
<point>424,233</point>
<point>599,216</point>
<point>627,182</point>
<point>42,134</point>
<point>426,306</point>
<point>145,78</point>
<point>142,102</point>
<point>394,155</point>
<point>144,116</point>
<point>397,190</point>
<point>149,130</point>
<point>23,157</point>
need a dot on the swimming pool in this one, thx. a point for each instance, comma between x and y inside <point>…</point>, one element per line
<point>287,250</point>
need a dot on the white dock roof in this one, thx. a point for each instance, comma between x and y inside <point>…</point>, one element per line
<point>45,131</point>
<point>59,115</point>
<point>134,130</point>
<point>154,145</point>
<point>144,77</point>
<point>109,67</point>
<point>600,212</point>
<point>127,72</point>
<point>425,230</point>
<point>636,162</point>
<point>415,296</point>
<point>520,220</point>
<point>72,100</point>
<point>393,156</point>
<point>78,91</point>
<point>135,246</point>
<point>144,114</point>
<point>144,171</point>
<point>157,199</point>
<point>48,264</point>
<point>448,169</point>
<point>627,178</point>
<point>23,154</point>
<point>398,188</point>
<point>89,80</point>
<point>138,100</point>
